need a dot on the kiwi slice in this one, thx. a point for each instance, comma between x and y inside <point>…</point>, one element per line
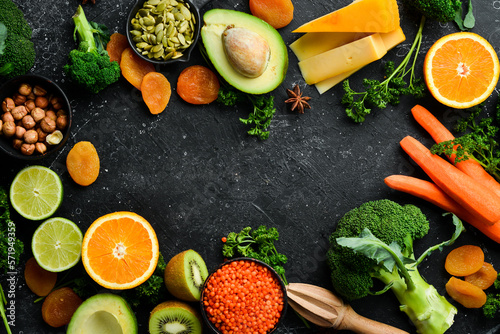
<point>174,317</point>
<point>185,274</point>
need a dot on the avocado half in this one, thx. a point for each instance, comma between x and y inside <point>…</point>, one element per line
<point>103,313</point>
<point>216,21</point>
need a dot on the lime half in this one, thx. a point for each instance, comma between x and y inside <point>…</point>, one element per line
<point>36,192</point>
<point>57,244</point>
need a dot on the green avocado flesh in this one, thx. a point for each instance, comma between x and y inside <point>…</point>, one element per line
<point>103,313</point>
<point>216,21</point>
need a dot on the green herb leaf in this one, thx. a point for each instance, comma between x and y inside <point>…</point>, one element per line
<point>3,37</point>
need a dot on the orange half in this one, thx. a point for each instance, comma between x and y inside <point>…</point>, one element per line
<point>461,70</point>
<point>120,250</point>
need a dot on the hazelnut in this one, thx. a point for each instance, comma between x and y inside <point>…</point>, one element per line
<point>51,114</point>
<point>19,112</point>
<point>8,104</point>
<point>41,134</point>
<point>48,124</point>
<point>31,136</point>
<point>39,91</point>
<point>30,104</point>
<point>61,112</point>
<point>9,129</point>
<point>7,117</point>
<point>28,122</point>
<point>56,102</point>
<point>41,102</point>
<point>62,122</point>
<point>17,143</point>
<point>20,131</point>
<point>40,148</point>
<point>31,96</point>
<point>19,99</point>
<point>38,114</point>
<point>27,149</point>
<point>54,138</point>
<point>24,89</point>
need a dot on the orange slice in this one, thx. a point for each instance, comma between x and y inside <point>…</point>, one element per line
<point>120,250</point>
<point>461,70</point>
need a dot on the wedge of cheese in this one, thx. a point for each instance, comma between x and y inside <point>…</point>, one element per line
<point>360,16</point>
<point>345,58</point>
<point>390,39</point>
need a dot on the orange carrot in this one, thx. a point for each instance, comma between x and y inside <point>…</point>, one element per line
<point>433,194</point>
<point>477,199</point>
<point>440,134</point>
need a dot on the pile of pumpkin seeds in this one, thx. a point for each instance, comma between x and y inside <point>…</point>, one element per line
<point>163,29</point>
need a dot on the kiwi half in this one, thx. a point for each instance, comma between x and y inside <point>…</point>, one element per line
<point>174,317</point>
<point>185,274</point>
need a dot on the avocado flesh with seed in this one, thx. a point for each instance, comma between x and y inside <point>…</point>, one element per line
<point>104,313</point>
<point>215,23</point>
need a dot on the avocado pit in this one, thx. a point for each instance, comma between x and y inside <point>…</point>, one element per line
<point>247,52</point>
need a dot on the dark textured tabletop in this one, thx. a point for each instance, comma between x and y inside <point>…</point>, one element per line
<point>195,175</point>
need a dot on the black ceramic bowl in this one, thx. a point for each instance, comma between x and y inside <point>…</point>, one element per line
<point>186,52</point>
<point>9,88</point>
<point>273,273</point>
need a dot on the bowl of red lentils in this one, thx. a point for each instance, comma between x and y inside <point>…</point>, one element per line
<point>243,295</point>
<point>36,117</point>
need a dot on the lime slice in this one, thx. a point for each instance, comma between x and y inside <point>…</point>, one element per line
<point>57,244</point>
<point>36,192</point>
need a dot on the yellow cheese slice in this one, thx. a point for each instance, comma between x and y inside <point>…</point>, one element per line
<point>359,16</point>
<point>342,59</point>
<point>391,39</point>
<point>314,43</point>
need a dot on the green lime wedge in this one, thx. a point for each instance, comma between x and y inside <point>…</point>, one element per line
<point>36,192</point>
<point>57,244</point>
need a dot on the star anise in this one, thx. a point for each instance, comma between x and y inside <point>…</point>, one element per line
<point>298,101</point>
<point>85,1</point>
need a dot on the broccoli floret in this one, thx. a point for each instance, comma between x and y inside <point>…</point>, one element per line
<point>492,306</point>
<point>375,241</point>
<point>439,10</point>
<point>17,52</point>
<point>89,65</point>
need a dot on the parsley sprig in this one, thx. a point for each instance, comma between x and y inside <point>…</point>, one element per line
<point>379,94</point>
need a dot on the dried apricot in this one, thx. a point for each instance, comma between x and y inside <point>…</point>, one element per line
<point>83,163</point>
<point>278,13</point>
<point>59,306</point>
<point>156,92</point>
<point>484,277</point>
<point>134,68</point>
<point>464,260</point>
<point>465,293</point>
<point>39,280</point>
<point>198,85</point>
<point>117,43</point>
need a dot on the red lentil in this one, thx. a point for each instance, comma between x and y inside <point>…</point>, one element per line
<point>243,296</point>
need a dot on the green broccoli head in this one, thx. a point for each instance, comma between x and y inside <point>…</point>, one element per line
<point>91,71</point>
<point>439,10</point>
<point>14,20</point>
<point>389,221</point>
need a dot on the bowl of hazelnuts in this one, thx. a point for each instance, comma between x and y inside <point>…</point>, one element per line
<point>36,117</point>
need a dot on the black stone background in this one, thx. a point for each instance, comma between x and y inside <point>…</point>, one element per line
<point>195,175</point>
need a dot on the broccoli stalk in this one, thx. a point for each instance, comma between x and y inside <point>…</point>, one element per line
<point>375,241</point>
<point>89,66</point>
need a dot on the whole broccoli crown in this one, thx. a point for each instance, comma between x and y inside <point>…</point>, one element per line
<point>91,71</point>
<point>439,10</point>
<point>20,52</point>
<point>389,221</point>
<point>14,20</point>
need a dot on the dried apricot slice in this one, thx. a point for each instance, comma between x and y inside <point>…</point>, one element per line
<point>278,13</point>
<point>465,293</point>
<point>39,280</point>
<point>134,68</point>
<point>59,306</point>
<point>156,92</point>
<point>464,260</point>
<point>117,43</point>
<point>484,277</point>
<point>198,85</point>
<point>83,163</point>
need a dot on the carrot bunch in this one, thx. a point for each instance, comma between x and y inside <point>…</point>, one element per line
<point>465,189</point>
